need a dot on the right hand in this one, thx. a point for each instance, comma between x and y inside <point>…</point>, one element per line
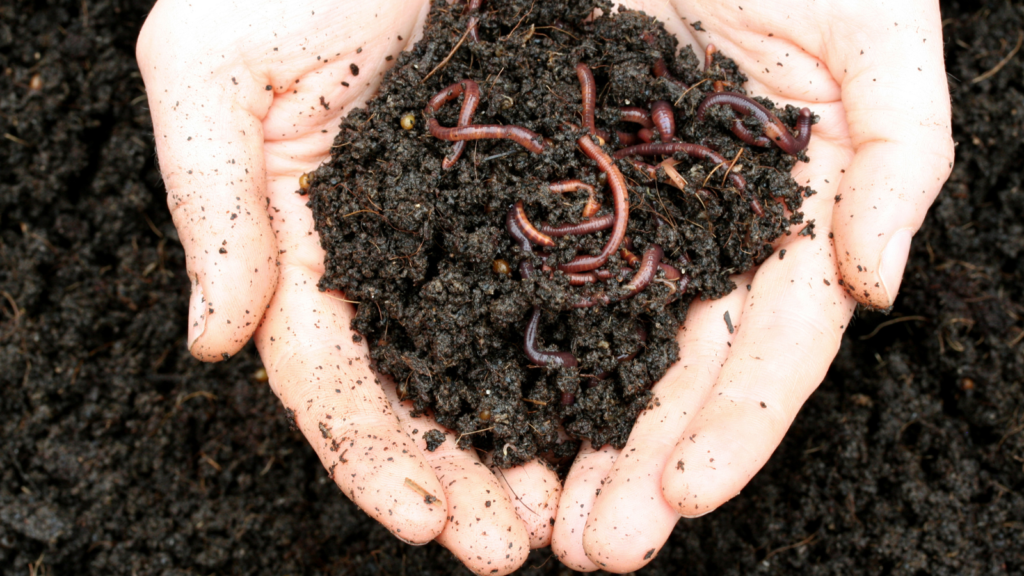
<point>245,98</point>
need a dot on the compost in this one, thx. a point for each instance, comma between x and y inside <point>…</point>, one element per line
<point>523,261</point>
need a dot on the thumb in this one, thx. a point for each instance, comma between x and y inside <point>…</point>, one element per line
<point>897,101</point>
<point>207,123</point>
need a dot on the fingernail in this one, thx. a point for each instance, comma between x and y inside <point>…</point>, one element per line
<point>196,314</point>
<point>894,261</point>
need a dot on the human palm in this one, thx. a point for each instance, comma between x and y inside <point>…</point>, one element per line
<point>247,97</point>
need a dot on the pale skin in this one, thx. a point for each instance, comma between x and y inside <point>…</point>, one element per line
<point>231,152</point>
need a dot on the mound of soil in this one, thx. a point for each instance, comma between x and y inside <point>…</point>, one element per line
<point>425,250</point>
<point>121,455</point>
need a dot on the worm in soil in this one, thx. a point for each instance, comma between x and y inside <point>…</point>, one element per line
<point>620,204</point>
<point>541,357</point>
<point>774,129</point>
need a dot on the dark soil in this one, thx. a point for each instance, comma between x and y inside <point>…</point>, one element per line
<point>426,252</point>
<point>122,455</point>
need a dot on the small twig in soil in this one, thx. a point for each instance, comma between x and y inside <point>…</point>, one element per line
<point>891,322</point>
<point>803,542</point>
<point>733,163</point>
<point>681,96</point>
<point>450,54</point>
<point>459,439</point>
<point>14,306</point>
<point>995,69</point>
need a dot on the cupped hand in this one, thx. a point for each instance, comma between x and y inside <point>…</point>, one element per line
<point>873,72</point>
<point>245,98</point>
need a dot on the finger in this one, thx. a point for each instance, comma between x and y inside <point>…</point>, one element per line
<point>631,520</point>
<point>792,326</point>
<point>582,486</point>
<point>209,143</point>
<point>482,528</point>
<point>322,377</point>
<point>898,111</point>
<point>534,489</point>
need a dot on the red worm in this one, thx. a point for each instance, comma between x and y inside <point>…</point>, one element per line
<point>646,135</point>
<point>693,150</point>
<point>586,227</point>
<point>660,70</point>
<point>636,115</point>
<point>671,272</point>
<point>541,357</point>
<point>518,214</point>
<point>469,104</point>
<point>643,277</point>
<point>709,57</point>
<point>592,207</point>
<point>743,133</point>
<point>589,87</point>
<point>515,230</point>
<point>630,258</point>
<point>471,8</point>
<point>620,204</point>
<point>525,138</point>
<point>665,119</point>
<point>645,273</point>
<point>773,128</point>
<point>651,171</point>
<point>627,139</point>
<point>581,278</point>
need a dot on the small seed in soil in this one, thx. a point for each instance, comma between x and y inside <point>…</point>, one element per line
<point>408,121</point>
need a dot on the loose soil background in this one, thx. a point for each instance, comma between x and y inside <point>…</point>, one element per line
<point>122,455</point>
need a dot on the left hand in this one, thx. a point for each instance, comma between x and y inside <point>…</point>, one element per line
<point>873,72</point>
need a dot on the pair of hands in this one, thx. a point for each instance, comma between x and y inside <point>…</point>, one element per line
<point>247,96</point>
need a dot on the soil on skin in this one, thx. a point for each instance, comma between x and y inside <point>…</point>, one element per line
<point>417,245</point>
<point>121,455</point>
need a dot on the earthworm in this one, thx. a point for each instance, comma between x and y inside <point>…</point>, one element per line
<point>641,279</point>
<point>627,139</point>
<point>525,138</point>
<point>646,135</point>
<point>592,207</point>
<point>589,88</point>
<point>472,7</point>
<point>635,115</point>
<point>671,272</point>
<point>694,150</point>
<point>515,230</point>
<point>651,171</point>
<point>581,278</point>
<point>518,215</point>
<point>645,273</point>
<point>709,56</point>
<point>626,253</point>
<point>660,70</point>
<point>586,227</point>
<point>469,104</point>
<point>620,204</point>
<point>541,357</point>
<point>773,128</point>
<point>665,119</point>
<point>743,133</point>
